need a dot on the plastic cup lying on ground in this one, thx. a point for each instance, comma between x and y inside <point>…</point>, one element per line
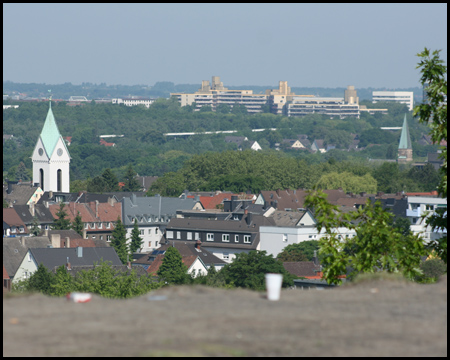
<point>79,297</point>
<point>273,286</point>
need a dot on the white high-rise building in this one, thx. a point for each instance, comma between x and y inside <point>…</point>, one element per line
<point>402,97</point>
<point>51,159</point>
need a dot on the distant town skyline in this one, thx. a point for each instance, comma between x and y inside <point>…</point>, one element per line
<point>308,45</point>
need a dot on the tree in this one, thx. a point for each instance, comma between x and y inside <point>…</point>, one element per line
<point>433,112</point>
<point>119,240</point>
<point>136,240</point>
<point>61,222</point>
<point>131,183</point>
<point>172,269</point>
<point>248,270</point>
<point>97,185</point>
<point>77,224</point>
<point>391,152</point>
<point>22,172</point>
<point>63,282</point>
<point>348,182</point>
<point>35,230</point>
<point>41,280</point>
<point>303,251</point>
<point>377,245</point>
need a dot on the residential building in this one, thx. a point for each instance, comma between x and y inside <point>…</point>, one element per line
<point>99,219</point>
<point>51,158</point>
<point>15,248</point>
<point>51,258</point>
<point>292,227</point>
<point>133,101</point>
<point>402,97</point>
<point>21,193</point>
<point>6,280</point>
<point>223,238</point>
<point>153,215</point>
<point>405,151</point>
<point>35,212</point>
<point>13,224</point>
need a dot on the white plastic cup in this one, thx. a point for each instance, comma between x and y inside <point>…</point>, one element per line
<point>273,286</point>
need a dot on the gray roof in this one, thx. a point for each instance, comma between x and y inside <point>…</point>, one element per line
<point>14,251</point>
<point>20,194</point>
<point>140,271</point>
<point>287,218</point>
<point>147,210</point>
<point>52,257</point>
<point>43,214</point>
<point>225,225</point>
<point>76,197</point>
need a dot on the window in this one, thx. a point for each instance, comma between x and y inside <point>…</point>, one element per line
<point>170,234</point>
<point>235,217</point>
<point>189,235</point>
<point>101,237</point>
<point>209,237</point>
<point>156,230</point>
<point>197,236</point>
<point>285,237</point>
<point>29,256</point>
<point>108,238</point>
<point>108,225</point>
<point>178,235</point>
<point>156,244</point>
<point>429,207</point>
<point>247,239</point>
<point>100,225</point>
<point>93,237</point>
<point>149,244</point>
<point>236,238</point>
<point>85,226</point>
<point>226,256</point>
<point>149,231</point>
<point>226,237</point>
<point>141,232</point>
<point>310,236</point>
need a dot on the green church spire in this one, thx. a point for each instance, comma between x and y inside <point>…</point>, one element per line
<point>405,139</point>
<point>50,133</point>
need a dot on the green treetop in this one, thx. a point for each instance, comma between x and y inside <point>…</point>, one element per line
<point>172,269</point>
<point>61,222</point>
<point>119,240</point>
<point>136,240</point>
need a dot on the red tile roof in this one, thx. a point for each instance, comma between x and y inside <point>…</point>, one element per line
<point>105,212</point>
<point>154,267</point>
<point>432,193</point>
<point>11,218</point>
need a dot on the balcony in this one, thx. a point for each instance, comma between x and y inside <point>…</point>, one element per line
<point>413,213</point>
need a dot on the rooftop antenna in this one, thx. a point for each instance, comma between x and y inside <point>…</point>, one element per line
<point>50,97</point>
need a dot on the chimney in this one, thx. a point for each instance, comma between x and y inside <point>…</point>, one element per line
<point>129,265</point>
<point>249,218</point>
<point>46,204</point>
<point>363,193</point>
<point>245,211</point>
<point>68,264</point>
<point>79,251</point>
<point>45,232</point>
<point>198,244</point>
<point>315,258</point>
<point>50,194</point>
<point>84,234</point>
<point>133,199</point>
<point>111,201</point>
<point>67,242</point>
<point>380,193</point>
<point>56,240</point>
<point>32,208</point>
<point>96,208</point>
<point>22,239</point>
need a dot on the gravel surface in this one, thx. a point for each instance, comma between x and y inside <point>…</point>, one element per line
<point>374,318</point>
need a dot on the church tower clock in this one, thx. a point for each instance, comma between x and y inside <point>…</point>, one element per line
<point>51,158</point>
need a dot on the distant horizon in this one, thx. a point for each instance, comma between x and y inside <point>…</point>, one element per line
<point>199,84</point>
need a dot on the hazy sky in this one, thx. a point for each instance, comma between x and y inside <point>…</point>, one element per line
<point>323,45</point>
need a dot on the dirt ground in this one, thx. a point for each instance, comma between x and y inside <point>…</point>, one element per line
<point>375,318</point>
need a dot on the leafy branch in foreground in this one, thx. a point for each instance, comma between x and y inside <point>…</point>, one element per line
<point>376,246</point>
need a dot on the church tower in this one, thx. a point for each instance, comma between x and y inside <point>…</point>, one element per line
<point>51,158</point>
<point>405,147</point>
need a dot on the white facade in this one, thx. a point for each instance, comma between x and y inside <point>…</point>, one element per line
<point>134,101</point>
<point>151,236</point>
<point>27,267</point>
<point>333,107</point>
<point>274,239</point>
<point>402,97</point>
<point>417,206</point>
